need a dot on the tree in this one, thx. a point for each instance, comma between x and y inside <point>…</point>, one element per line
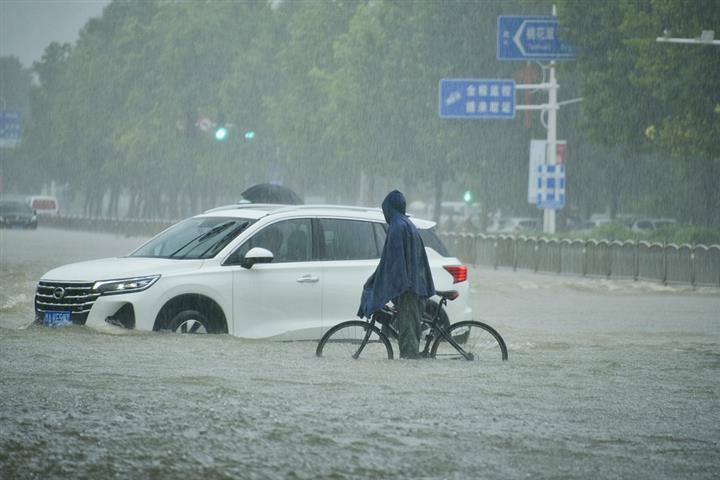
<point>638,90</point>
<point>384,94</point>
<point>15,84</point>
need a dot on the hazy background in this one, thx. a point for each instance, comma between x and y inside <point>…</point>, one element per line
<point>27,27</point>
<point>339,101</point>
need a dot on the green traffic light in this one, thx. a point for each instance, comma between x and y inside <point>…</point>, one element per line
<point>467,196</point>
<point>221,133</point>
<point>249,135</point>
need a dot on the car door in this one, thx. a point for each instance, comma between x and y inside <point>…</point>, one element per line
<point>349,251</point>
<point>283,297</point>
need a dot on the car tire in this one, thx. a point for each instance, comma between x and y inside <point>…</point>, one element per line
<point>190,321</point>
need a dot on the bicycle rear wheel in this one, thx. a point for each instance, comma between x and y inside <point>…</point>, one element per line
<point>345,339</point>
<point>481,341</point>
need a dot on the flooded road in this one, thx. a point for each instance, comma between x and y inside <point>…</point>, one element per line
<point>606,379</point>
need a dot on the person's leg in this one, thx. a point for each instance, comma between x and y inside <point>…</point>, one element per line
<point>409,312</point>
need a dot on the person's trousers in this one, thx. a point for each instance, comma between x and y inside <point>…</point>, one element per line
<point>409,309</point>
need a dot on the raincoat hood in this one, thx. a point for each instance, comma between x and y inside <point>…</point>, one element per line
<point>403,265</point>
<point>393,205</point>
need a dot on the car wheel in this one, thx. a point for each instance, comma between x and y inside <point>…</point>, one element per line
<point>189,321</point>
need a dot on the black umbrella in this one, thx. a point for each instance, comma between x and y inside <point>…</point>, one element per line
<point>271,193</point>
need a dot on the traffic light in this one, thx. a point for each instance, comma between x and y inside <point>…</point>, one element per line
<point>221,128</point>
<point>221,132</point>
<point>467,196</point>
<point>249,135</point>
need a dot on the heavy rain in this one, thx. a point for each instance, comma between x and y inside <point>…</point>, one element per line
<point>566,153</point>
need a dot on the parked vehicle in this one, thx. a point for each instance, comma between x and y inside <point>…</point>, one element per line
<point>519,224</point>
<point>44,204</point>
<point>251,270</point>
<point>17,214</point>
<point>588,226</point>
<point>650,224</point>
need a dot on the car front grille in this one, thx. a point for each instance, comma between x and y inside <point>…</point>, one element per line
<point>75,297</point>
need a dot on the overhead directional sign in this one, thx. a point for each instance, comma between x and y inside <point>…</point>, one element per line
<point>477,98</point>
<point>534,37</point>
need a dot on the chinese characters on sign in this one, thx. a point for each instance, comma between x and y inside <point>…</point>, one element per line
<point>531,37</point>
<point>477,98</point>
<point>551,186</point>
<point>10,131</point>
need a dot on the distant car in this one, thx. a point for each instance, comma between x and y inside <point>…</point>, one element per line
<point>44,204</point>
<point>17,214</point>
<point>589,225</point>
<point>519,224</point>
<point>650,224</point>
<point>250,270</point>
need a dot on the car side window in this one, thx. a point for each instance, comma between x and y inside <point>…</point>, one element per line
<point>289,241</point>
<point>380,234</point>
<point>348,240</point>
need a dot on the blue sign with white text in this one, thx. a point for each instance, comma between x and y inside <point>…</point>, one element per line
<point>534,37</point>
<point>476,98</point>
<point>10,124</point>
<point>551,186</point>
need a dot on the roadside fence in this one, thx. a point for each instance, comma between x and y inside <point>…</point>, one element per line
<point>697,265</point>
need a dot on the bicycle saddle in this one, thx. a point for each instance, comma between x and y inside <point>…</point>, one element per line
<point>449,294</point>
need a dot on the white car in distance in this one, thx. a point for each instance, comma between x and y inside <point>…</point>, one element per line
<point>250,270</point>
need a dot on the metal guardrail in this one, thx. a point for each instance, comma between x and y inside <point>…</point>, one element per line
<point>697,265</point>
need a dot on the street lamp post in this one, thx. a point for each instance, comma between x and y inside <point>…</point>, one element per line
<point>707,37</point>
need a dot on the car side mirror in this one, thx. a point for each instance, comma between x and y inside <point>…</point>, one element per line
<point>256,255</point>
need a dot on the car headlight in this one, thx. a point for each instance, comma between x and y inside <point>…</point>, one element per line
<point>125,285</point>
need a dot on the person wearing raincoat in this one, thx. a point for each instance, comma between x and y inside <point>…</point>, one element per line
<point>403,276</point>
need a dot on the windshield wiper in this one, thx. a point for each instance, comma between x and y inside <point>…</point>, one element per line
<point>225,240</point>
<point>202,237</point>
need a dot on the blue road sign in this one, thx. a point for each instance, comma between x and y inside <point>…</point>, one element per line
<point>476,98</point>
<point>551,187</point>
<point>10,124</point>
<point>536,38</point>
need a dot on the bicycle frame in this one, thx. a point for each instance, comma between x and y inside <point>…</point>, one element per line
<point>435,328</point>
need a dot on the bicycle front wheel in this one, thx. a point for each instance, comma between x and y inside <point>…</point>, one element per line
<point>345,340</point>
<point>475,341</point>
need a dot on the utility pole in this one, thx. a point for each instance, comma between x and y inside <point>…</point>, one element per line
<point>549,213</point>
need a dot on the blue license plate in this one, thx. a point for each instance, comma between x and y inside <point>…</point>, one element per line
<point>56,318</point>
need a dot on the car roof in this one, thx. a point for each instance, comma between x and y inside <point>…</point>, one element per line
<point>260,210</point>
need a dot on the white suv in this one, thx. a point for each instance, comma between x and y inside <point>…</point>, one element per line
<point>254,271</point>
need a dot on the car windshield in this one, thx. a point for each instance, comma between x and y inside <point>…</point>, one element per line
<point>14,208</point>
<point>194,238</point>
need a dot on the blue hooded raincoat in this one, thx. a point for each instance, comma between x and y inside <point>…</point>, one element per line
<point>403,265</point>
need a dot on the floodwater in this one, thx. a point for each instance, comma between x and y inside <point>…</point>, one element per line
<point>606,379</point>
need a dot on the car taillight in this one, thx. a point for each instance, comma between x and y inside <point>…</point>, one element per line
<point>458,272</point>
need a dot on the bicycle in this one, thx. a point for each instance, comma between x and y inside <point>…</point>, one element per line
<point>467,339</point>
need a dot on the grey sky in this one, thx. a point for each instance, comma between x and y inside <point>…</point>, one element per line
<point>27,27</point>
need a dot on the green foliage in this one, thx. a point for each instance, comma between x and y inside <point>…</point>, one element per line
<point>685,234</point>
<point>613,231</point>
<point>342,99</point>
